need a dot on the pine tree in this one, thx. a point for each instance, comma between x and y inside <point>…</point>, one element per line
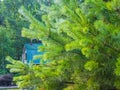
<point>80,44</point>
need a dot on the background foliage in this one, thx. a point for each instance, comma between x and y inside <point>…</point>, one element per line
<point>11,23</point>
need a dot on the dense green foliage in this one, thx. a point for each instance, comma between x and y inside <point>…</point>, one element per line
<point>81,46</point>
<point>11,23</point>
<point>6,44</point>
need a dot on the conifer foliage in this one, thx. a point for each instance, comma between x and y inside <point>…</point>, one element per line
<point>81,45</point>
